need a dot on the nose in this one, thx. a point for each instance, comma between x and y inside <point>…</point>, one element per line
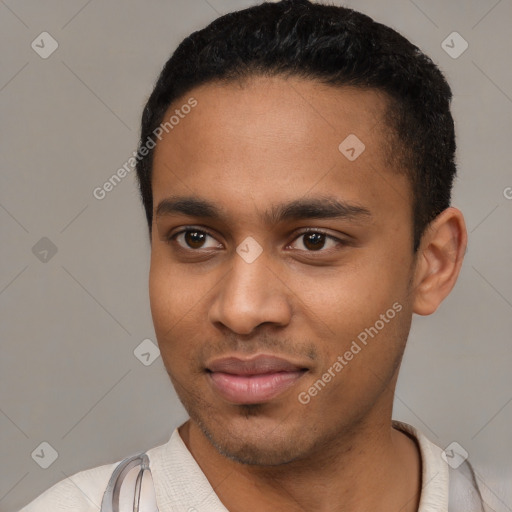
<point>251,294</point>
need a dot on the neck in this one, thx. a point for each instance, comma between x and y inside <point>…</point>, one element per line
<point>375,467</point>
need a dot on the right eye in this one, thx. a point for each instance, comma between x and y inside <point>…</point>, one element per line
<point>191,239</point>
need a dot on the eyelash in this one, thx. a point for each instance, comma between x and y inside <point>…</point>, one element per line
<point>172,238</point>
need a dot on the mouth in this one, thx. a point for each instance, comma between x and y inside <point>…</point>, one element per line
<point>253,381</point>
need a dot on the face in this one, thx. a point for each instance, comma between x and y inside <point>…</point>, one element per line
<point>281,307</point>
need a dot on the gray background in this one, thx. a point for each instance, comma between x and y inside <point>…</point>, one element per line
<point>69,326</point>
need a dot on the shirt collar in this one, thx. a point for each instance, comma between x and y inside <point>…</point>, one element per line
<point>434,471</point>
<point>181,486</point>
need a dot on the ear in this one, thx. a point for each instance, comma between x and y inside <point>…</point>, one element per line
<point>439,260</point>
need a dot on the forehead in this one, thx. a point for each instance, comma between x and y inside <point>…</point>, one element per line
<point>268,139</point>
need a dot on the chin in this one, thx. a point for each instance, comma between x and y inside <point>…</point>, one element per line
<point>252,452</point>
<point>254,441</point>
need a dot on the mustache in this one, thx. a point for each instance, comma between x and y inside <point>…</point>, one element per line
<point>259,343</point>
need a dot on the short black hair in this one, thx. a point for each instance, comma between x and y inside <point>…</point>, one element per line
<point>332,45</point>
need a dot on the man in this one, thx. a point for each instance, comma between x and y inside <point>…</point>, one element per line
<point>296,165</point>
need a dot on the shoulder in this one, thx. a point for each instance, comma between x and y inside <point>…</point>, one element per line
<point>81,492</point>
<point>452,485</point>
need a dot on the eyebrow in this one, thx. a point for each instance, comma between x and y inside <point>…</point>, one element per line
<point>323,207</point>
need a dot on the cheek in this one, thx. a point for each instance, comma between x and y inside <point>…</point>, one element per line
<point>170,300</point>
<point>175,300</point>
<point>355,298</point>
<point>366,303</point>
<point>171,290</point>
<point>160,296</point>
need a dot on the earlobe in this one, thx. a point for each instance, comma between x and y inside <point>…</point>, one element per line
<point>439,260</point>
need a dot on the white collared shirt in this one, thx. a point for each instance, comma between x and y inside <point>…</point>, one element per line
<point>181,486</point>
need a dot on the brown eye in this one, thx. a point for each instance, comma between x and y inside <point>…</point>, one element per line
<point>193,239</point>
<point>314,241</point>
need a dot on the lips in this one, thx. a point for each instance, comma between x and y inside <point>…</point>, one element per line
<point>255,380</point>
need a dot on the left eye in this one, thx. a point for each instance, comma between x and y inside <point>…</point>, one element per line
<point>313,240</point>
